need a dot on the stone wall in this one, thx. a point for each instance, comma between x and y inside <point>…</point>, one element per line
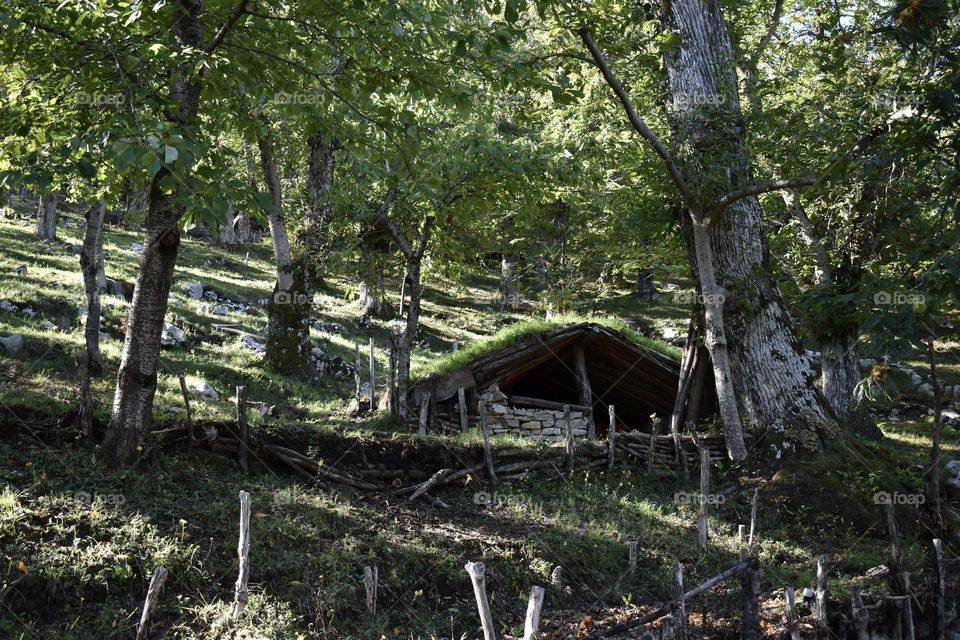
<point>542,424</point>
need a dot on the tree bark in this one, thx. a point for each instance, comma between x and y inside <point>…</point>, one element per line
<point>91,255</point>
<point>228,234</point>
<point>288,311</point>
<point>244,230</point>
<point>46,229</point>
<point>771,377</point>
<point>321,160</point>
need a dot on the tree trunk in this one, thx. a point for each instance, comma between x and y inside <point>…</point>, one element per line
<point>372,293</point>
<point>47,217</point>
<point>288,311</point>
<point>408,337</point>
<point>228,234</point>
<point>509,292</point>
<point>244,231</point>
<point>321,159</point>
<point>840,358</point>
<point>646,287</point>
<point>91,254</point>
<point>772,379</point>
<point>137,376</point>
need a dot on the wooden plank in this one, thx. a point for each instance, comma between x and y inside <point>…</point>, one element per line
<point>523,401</point>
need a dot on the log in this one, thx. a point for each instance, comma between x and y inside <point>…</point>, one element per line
<point>157,581</point>
<point>373,376</point>
<point>679,604</point>
<point>612,435</point>
<point>487,453</point>
<point>240,593</point>
<point>431,483</point>
<point>704,491</point>
<point>790,606</point>
<point>532,622</point>
<point>523,401</point>
<point>476,570</point>
<point>243,429</point>
<point>371,578</point>
<point>462,406</point>
<point>654,432</point>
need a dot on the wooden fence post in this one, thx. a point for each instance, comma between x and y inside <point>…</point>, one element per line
<point>632,555</point>
<point>750,592</point>
<point>679,606</point>
<point>570,454</point>
<point>940,591</point>
<point>424,413</point>
<point>371,578</point>
<point>475,570</point>
<point>462,405</point>
<point>356,372</point>
<point>823,570</point>
<point>741,542</point>
<point>859,613</point>
<point>654,432</point>
<point>753,519</point>
<point>189,410</point>
<point>487,451</point>
<point>532,622</point>
<point>373,376</point>
<point>243,429</point>
<point>899,580</point>
<point>556,576</point>
<point>240,594</point>
<point>909,632</point>
<point>793,626</point>
<point>704,491</point>
<point>612,436</point>
<point>392,377</point>
<point>159,578</point>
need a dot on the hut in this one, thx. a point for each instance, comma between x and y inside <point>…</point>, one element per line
<point>524,387</point>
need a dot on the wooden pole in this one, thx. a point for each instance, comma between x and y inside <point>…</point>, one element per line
<point>654,432</point>
<point>240,594</point>
<point>895,551</point>
<point>186,406</point>
<point>704,491</point>
<point>532,622</point>
<point>909,632</point>
<point>586,395</point>
<point>356,372</point>
<point>391,382</point>
<point>753,518</point>
<point>612,436</point>
<point>424,412</point>
<point>487,451</point>
<point>934,479</point>
<point>679,606</point>
<point>243,429</point>
<point>823,570</point>
<point>744,550</point>
<point>476,570</point>
<point>371,578</point>
<point>632,553</point>
<point>462,405</point>
<point>940,593</point>
<point>750,593</point>
<point>556,576</point>
<point>159,578</point>
<point>570,453</point>
<point>793,626</point>
<point>859,613</point>
<point>373,376</point>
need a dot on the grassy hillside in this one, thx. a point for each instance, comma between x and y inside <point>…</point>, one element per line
<point>78,544</point>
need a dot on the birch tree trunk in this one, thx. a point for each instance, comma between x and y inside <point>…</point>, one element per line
<point>91,256</point>
<point>772,379</point>
<point>288,311</point>
<point>137,376</point>
<point>46,229</point>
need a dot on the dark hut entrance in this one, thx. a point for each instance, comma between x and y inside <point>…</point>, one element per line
<point>588,366</point>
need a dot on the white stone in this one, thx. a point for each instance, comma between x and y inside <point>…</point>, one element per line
<point>193,289</point>
<point>915,379</point>
<point>499,408</point>
<point>20,270</point>
<point>6,305</point>
<point>136,246</point>
<point>220,310</point>
<point>49,326</point>
<point>13,344</point>
<point>251,343</point>
<point>212,295</point>
<point>172,336</point>
<point>204,390</point>
<point>533,424</point>
<point>925,390</point>
<point>30,313</point>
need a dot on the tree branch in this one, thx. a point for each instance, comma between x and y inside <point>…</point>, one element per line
<point>757,189</point>
<point>638,124</point>
<point>391,226</point>
<point>222,33</point>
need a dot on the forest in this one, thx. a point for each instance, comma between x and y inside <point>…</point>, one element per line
<point>457,319</point>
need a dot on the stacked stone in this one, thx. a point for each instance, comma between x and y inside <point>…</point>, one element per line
<point>541,424</point>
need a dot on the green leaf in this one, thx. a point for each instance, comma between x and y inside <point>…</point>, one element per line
<point>170,154</point>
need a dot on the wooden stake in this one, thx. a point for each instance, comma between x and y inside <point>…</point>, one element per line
<point>476,570</point>
<point>462,405</point>
<point>532,622</point>
<point>586,395</point>
<point>793,626</point>
<point>859,613</point>
<point>392,377</point>
<point>186,405</point>
<point>556,576</point>
<point>753,518</point>
<point>159,578</point>
<point>243,429</point>
<point>487,451</point>
<point>424,412</point>
<point>908,628</point>
<point>741,541</point>
<point>371,578</point>
<point>612,436</point>
<point>940,593</point>
<point>356,372</point>
<point>654,433</point>
<point>933,488</point>
<point>895,551</point>
<point>570,453</point>
<point>373,376</point>
<point>704,491</point>
<point>750,592</point>
<point>821,592</point>
<point>632,551</point>
<point>240,594</point>
<point>679,606</point>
